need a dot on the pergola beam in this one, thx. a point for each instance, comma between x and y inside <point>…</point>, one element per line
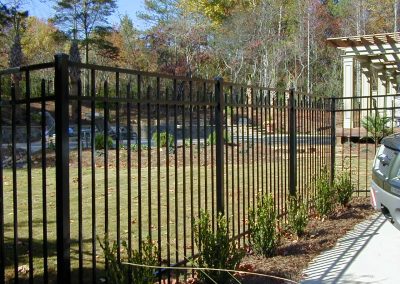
<point>365,41</point>
<point>378,57</point>
<point>371,49</point>
<point>390,39</point>
<point>376,39</point>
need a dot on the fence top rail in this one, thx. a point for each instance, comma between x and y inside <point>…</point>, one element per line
<point>250,86</point>
<point>25,68</point>
<point>276,90</point>
<point>314,96</point>
<point>365,97</point>
<point>96,67</point>
<point>135,72</point>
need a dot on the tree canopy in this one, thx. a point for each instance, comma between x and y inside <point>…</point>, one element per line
<point>275,43</point>
<point>85,21</point>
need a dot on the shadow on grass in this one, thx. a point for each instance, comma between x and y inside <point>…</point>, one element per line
<point>85,273</point>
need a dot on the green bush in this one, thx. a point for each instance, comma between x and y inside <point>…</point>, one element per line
<point>376,126</point>
<point>99,141</point>
<point>326,199</point>
<point>52,143</point>
<point>165,140</point>
<point>135,147</point>
<point>344,188</point>
<point>212,138</point>
<point>297,216</point>
<point>264,236</point>
<point>188,143</point>
<point>216,250</point>
<point>119,273</point>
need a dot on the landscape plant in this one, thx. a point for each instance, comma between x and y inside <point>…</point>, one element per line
<point>117,272</point>
<point>297,215</point>
<point>99,141</point>
<point>325,194</point>
<point>51,144</point>
<point>212,138</point>
<point>376,126</point>
<point>165,139</point>
<point>135,147</point>
<point>188,142</point>
<point>264,236</point>
<point>215,248</point>
<point>344,188</point>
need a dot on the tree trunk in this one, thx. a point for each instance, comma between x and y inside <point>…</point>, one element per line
<point>74,103</point>
<point>395,15</point>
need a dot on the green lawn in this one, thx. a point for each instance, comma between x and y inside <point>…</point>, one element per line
<point>175,228</point>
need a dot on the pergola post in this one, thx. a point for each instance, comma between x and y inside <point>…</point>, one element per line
<point>348,89</point>
<point>381,101</point>
<point>391,98</point>
<point>365,90</point>
<point>392,87</point>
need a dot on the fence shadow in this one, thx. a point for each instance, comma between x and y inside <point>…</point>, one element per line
<point>330,266</point>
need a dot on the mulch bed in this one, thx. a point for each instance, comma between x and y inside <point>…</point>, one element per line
<point>293,254</point>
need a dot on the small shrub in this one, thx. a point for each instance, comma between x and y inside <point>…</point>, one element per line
<point>119,273</point>
<point>135,147</point>
<point>36,117</point>
<point>344,188</point>
<point>99,141</point>
<point>216,250</point>
<point>165,140</point>
<point>212,138</point>
<point>325,199</point>
<point>376,126</point>
<point>264,236</point>
<point>297,216</point>
<point>188,143</point>
<point>52,143</point>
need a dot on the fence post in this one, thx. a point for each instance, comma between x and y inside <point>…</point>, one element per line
<point>219,130</point>
<point>292,144</point>
<point>333,138</point>
<point>62,172</point>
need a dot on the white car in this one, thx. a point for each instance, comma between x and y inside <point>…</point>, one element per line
<point>385,185</point>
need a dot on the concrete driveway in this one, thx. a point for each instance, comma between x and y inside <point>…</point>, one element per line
<point>370,253</point>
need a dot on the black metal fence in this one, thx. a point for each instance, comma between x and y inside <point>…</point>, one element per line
<point>88,151</point>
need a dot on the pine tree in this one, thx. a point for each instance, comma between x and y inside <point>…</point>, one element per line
<point>159,11</point>
<point>85,21</point>
<point>15,60</point>
<point>15,55</point>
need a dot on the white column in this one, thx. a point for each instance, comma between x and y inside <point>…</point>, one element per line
<point>348,89</point>
<point>391,98</point>
<point>381,102</point>
<point>365,91</point>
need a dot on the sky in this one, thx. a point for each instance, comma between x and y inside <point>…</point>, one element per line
<point>43,10</point>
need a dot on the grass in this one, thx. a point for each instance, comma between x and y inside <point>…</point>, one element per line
<point>183,207</point>
<point>175,229</point>
<point>358,160</point>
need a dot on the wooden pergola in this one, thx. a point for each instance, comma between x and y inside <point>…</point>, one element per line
<point>370,68</point>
